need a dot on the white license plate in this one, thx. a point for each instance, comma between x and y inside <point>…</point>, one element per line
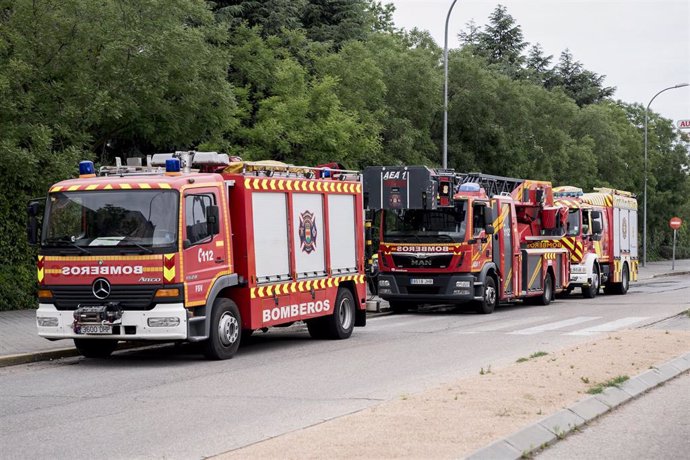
<point>95,329</point>
<point>421,281</point>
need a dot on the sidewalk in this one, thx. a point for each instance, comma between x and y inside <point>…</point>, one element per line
<point>19,342</point>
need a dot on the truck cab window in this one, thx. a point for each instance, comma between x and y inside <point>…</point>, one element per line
<point>478,219</point>
<point>195,217</point>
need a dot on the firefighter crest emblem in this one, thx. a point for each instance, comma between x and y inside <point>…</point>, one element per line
<point>307,232</point>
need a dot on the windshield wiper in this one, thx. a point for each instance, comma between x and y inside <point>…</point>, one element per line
<point>133,243</point>
<point>67,240</point>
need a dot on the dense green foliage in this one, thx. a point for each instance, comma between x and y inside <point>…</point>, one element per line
<point>303,81</point>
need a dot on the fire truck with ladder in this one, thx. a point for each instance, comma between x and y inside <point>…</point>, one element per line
<point>601,236</point>
<point>195,247</point>
<point>451,238</point>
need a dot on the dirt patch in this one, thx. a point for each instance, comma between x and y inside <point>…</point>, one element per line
<point>456,419</point>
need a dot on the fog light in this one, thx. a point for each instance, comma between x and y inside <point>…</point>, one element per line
<point>385,291</point>
<point>464,284</point>
<point>170,321</point>
<point>461,292</point>
<point>384,283</point>
<point>47,321</point>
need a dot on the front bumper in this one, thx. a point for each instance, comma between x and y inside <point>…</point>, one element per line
<point>133,325</point>
<point>445,288</point>
<point>580,279</point>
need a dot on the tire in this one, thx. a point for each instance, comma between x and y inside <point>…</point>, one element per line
<point>398,307</point>
<point>489,300</point>
<point>95,348</point>
<point>226,330</point>
<point>338,325</point>
<point>547,295</point>
<point>622,287</point>
<point>592,290</point>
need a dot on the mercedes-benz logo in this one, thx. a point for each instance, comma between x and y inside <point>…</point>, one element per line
<point>101,288</point>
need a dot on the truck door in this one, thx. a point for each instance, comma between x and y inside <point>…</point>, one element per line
<point>503,246</point>
<point>204,254</point>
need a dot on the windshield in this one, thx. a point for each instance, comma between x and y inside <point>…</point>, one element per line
<point>425,226</point>
<point>573,222</point>
<point>141,219</point>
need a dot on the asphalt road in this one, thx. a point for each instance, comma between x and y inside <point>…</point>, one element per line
<point>168,402</point>
<point>653,426</point>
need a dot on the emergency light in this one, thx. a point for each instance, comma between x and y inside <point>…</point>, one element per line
<point>86,169</point>
<point>172,166</point>
<point>470,187</point>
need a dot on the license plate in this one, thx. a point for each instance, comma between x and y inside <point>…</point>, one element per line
<point>421,281</point>
<point>94,329</point>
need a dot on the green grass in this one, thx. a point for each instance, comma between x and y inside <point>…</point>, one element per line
<point>614,382</point>
<point>536,354</point>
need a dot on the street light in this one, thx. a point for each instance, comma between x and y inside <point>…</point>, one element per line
<point>644,223</point>
<point>445,90</point>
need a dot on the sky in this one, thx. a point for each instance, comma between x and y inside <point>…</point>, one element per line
<point>641,46</point>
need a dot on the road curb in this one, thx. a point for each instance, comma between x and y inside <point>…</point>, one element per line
<point>25,358</point>
<point>674,273</point>
<point>555,427</point>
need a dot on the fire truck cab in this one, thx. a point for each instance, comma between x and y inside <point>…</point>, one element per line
<point>194,247</point>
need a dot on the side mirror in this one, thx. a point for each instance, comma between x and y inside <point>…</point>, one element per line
<point>212,220</point>
<point>489,229</point>
<point>596,227</point>
<point>596,237</point>
<point>33,211</point>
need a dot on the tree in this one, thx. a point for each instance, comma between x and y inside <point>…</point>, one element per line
<point>272,16</point>
<point>337,21</point>
<point>501,42</point>
<point>584,86</point>
<point>537,66</point>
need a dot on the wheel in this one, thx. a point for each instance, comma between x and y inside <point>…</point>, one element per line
<point>95,348</point>
<point>226,330</point>
<point>489,301</point>
<point>592,290</point>
<point>547,295</point>
<point>340,323</point>
<point>622,287</point>
<point>398,307</point>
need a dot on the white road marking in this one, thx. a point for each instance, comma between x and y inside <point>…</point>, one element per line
<point>556,325</point>
<point>496,325</point>
<point>610,326</point>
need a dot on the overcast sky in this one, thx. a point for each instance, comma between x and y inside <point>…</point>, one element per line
<point>642,46</point>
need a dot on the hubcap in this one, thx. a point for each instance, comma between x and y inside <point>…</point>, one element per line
<point>345,313</point>
<point>228,329</point>
<point>490,295</point>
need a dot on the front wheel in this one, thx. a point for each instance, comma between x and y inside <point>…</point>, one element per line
<point>226,330</point>
<point>592,290</point>
<point>547,295</point>
<point>95,348</point>
<point>489,300</point>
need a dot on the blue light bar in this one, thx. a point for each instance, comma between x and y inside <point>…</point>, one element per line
<point>470,187</point>
<point>172,165</point>
<point>86,168</point>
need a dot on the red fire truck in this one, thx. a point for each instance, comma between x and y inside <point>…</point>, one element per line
<point>601,236</point>
<point>170,253</point>
<point>453,238</point>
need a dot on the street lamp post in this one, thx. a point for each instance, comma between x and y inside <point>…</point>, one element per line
<point>644,223</point>
<point>445,90</point>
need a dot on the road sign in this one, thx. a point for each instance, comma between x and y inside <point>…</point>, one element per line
<point>675,222</point>
<point>683,124</point>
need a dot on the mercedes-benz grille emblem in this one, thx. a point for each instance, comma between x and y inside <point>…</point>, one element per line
<point>101,288</point>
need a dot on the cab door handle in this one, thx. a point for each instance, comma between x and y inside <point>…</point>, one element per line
<point>220,260</point>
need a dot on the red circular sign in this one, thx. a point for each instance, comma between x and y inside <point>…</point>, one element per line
<point>675,222</point>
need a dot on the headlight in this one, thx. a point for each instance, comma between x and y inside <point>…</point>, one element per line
<point>171,321</point>
<point>47,321</point>
<point>462,284</point>
<point>384,283</point>
<point>580,269</point>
